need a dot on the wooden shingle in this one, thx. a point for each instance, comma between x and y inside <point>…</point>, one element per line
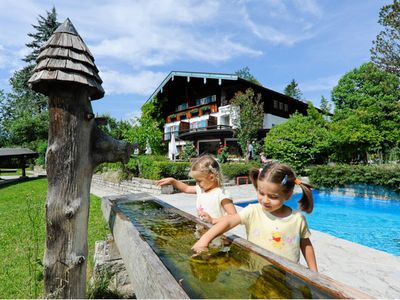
<point>66,59</point>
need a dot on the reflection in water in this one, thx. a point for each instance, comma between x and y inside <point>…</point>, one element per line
<point>223,272</point>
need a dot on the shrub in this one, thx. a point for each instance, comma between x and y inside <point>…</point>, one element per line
<point>340,175</point>
<point>232,170</point>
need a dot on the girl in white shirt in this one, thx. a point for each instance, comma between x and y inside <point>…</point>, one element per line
<point>212,200</point>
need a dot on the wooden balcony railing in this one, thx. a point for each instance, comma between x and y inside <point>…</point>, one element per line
<point>191,112</point>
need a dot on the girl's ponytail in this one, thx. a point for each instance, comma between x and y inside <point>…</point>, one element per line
<point>306,203</point>
<point>254,175</point>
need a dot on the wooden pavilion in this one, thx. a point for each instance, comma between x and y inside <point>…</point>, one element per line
<point>16,157</point>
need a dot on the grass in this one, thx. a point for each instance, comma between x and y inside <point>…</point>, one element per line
<point>22,237</point>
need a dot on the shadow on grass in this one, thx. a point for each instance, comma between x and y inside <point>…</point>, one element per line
<point>10,182</point>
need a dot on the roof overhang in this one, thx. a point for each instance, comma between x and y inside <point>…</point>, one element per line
<point>207,134</point>
<point>205,76</point>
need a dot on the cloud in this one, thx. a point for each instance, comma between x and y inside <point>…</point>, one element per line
<point>320,84</point>
<point>142,83</point>
<point>280,24</point>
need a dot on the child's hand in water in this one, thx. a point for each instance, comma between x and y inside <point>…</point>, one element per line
<point>200,247</point>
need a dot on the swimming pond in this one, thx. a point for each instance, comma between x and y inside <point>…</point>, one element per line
<point>371,222</point>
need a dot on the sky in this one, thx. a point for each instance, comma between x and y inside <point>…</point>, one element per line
<point>137,43</point>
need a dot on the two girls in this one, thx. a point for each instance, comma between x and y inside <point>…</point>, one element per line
<point>270,223</point>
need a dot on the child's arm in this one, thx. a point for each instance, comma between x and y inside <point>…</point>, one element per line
<point>183,187</point>
<point>309,255</point>
<point>226,204</point>
<point>223,225</point>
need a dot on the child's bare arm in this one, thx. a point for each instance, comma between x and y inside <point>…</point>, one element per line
<point>228,206</point>
<point>183,187</point>
<point>223,225</point>
<point>309,255</point>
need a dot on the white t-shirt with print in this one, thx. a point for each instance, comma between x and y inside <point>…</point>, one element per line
<point>210,202</point>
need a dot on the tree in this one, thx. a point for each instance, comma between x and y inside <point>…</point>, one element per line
<point>386,50</point>
<point>292,90</point>
<point>325,106</point>
<point>244,73</point>
<point>249,117</point>
<point>300,141</point>
<point>23,112</point>
<point>369,96</point>
<point>45,28</point>
<point>146,129</point>
<point>352,139</point>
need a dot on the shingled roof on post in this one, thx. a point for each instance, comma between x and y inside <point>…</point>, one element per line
<point>65,58</point>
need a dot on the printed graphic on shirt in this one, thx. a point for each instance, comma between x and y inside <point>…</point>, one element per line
<point>279,240</point>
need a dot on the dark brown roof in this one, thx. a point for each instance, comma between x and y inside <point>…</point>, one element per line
<point>17,152</point>
<point>66,59</point>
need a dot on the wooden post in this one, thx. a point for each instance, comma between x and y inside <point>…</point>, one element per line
<point>76,146</point>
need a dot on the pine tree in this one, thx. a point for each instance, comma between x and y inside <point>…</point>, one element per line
<point>325,106</point>
<point>24,118</point>
<point>386,51</point>
<point>292,90</point>
<point>244,73</point>
<point>45,28</point>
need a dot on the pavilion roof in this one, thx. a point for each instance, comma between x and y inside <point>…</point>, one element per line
<point>17,152</point>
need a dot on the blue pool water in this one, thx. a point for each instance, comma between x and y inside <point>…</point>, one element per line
<point>371,222</point>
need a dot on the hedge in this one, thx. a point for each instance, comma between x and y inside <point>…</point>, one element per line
<point>340,175</point>
<point>156,167</point>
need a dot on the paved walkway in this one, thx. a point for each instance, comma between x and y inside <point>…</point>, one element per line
<point>374,272</point>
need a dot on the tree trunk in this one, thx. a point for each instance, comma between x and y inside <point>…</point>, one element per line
<point>75,147</point>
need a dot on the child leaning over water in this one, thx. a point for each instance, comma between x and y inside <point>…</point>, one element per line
<point>271,224</point>
<point>212,201</point>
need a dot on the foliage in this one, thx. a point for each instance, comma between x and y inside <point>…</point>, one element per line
<point>223,156</point>
<point>340,175</point>
<point>18,241</point>
<point>24,117</point>
<point>293,90</point>
<point>325,106</point>
<point>366,112</point>
<point>117,129</point>
<point>45,28</point>
<point>352,139</point>
<point>99,289</point>
<point>232,170</point>
<point>251,116</point>
<point>300,141</point>
<point>189,151</point>
<point>155,167</point>
<point>244,73</point>
<point>147,128</point>
<point>386,50</point>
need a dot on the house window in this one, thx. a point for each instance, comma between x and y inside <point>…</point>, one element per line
<point>182,106</point>
<point>280,105</point>
<point>286,107</point>
<point>276,104</point>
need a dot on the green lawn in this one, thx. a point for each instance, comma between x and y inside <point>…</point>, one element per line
<point>22,237</point>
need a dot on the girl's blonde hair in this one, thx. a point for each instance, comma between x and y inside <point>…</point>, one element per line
<point>284,175</point>
<point>207,164</point>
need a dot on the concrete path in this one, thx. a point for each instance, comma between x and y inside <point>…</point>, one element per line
<point>373,272</point>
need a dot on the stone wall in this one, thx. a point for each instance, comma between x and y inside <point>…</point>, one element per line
<point>135,185</point>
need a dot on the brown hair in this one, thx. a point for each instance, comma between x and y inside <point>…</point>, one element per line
<point>207,164</point>
<point>284,175</point>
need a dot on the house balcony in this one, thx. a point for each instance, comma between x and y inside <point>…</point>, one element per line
<point>194,111</point>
